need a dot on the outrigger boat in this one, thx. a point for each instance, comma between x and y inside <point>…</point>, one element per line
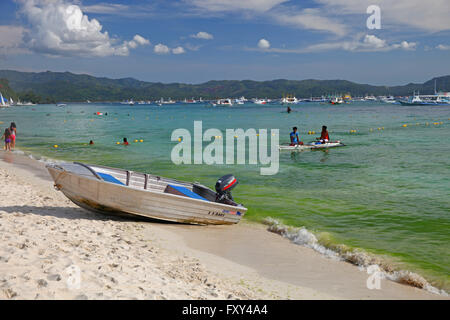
<point>127,193</point>
<point>312,146</point>
<point>223,102</point>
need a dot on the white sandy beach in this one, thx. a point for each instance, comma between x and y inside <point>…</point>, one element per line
<point>45,239</point>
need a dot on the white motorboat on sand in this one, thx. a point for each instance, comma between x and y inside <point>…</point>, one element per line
<point>127,193</point>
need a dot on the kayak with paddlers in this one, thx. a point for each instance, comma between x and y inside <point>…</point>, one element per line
<point>323,142</point>
<point>312,145</point>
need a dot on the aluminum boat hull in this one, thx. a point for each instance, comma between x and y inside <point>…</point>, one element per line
<point>105,197</point>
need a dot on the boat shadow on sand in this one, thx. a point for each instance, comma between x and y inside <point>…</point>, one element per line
<point>78,213</point>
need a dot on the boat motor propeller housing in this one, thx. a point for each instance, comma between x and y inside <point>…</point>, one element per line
<point>223,188</point>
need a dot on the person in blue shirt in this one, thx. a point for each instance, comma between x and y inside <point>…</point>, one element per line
<point>295,140</point>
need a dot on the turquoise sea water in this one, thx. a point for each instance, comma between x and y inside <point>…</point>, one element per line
<point>387,191</point>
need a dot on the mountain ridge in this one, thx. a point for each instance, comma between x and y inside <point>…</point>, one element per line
<point>71,87</point>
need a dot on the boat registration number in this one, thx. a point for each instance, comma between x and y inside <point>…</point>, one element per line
<point>215,213</point>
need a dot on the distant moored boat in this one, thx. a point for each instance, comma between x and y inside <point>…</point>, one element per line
<point>3,101</point>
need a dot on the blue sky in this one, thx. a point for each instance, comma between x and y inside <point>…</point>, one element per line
<point>195,41</point>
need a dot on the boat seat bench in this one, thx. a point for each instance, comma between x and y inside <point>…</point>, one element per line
<point>170,188</point>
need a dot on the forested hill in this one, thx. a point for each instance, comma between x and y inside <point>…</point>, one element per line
<point>6,90</point>
<point>66,86</point>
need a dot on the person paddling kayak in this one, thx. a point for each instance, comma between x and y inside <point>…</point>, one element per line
<point>295,140</point>
<point>324,136</point>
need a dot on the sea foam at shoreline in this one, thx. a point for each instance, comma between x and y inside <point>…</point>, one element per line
<point>302,236</point>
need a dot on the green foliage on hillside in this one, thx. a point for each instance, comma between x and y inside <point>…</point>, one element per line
<point>6,90</point>
<point>65,86</point>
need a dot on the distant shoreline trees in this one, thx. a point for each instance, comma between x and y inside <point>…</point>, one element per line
<point>51,87</point>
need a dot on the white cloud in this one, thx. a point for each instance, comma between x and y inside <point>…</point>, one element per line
<point>369,43</point>
<point>443,47</point>
<point>59,28</point>
<point>161,49</point>
<point>338,16</point>
<point>137,40</point>
<point>312,19</point>
<point>203,35</point>
<point>141,40</point>
<point>11,38</point>
<point>263,44</point>
<point>192,47</point>
<point>236,5</point>
<point>138,10</point>
<point>178,50</point>
<point>276,10</point>
<point>405,45</point>
<point>430,15</point>
<point>106,8</point>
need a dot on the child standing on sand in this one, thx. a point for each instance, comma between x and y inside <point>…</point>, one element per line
<point>7,136</point>
<point>13,130</point>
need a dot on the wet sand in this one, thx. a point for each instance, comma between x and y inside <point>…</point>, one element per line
<point>44,238</point>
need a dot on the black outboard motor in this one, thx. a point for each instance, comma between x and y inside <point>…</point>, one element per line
<point>223,188</point>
